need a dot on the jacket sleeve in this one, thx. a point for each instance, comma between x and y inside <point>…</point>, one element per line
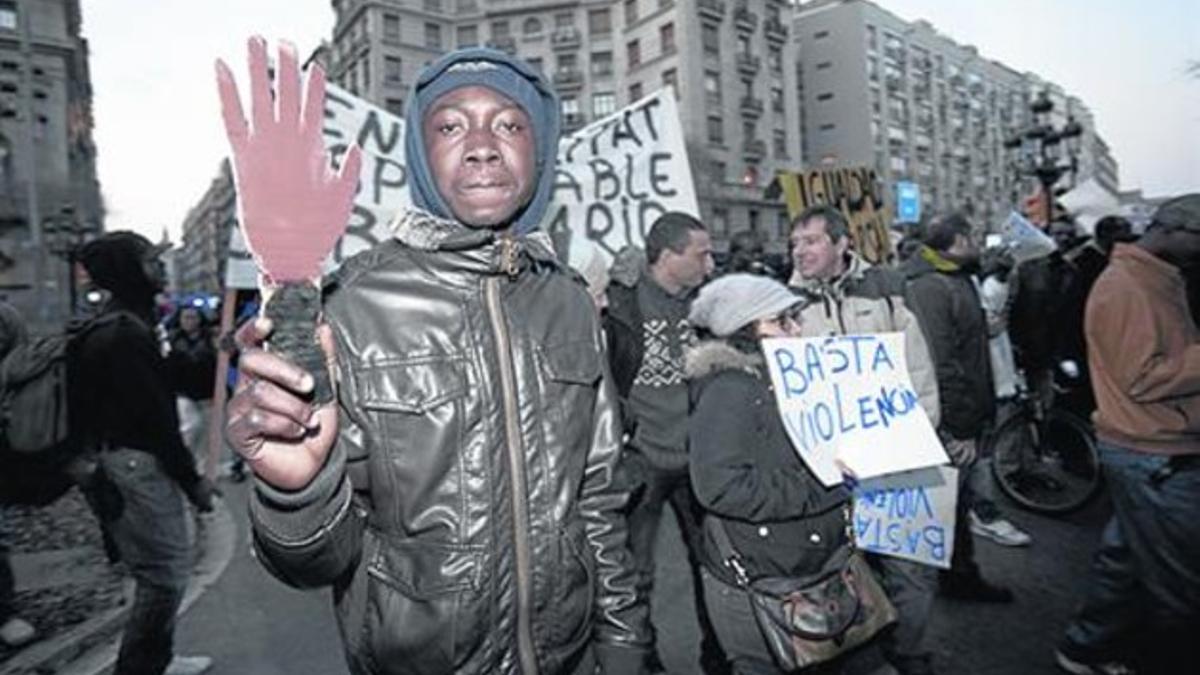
<point>726,475</point>
<point>623,628</point>
<point>1122,331</point>
<point>934,308</point>
<point>312,536</point>
<point>920,363</point>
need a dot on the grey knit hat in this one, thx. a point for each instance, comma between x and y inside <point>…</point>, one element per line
<point>735,300</point>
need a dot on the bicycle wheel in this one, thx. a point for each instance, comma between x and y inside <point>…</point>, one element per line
<point>1049,468</point>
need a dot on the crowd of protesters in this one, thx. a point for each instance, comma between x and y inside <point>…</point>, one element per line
<point>485,490</point>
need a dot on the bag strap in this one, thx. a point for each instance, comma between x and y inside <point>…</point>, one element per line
<point>729,555</point>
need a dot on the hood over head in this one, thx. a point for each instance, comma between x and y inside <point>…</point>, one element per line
<point>506,75</point>
<point>117,262</point>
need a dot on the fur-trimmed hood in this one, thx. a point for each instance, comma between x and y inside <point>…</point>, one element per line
<point>713,356</point>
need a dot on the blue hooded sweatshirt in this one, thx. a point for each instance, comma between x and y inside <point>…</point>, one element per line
<point>508,76</point>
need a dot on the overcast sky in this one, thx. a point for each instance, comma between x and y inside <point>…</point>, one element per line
<point>160,139</point>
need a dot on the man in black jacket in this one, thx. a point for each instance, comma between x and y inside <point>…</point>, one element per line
<point>121,404</point>
<point>458,496</point>
<point>648,331</point>
<point>943,295</point>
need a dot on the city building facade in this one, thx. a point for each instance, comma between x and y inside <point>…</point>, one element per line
<point>896,95</point>
<point>201,257</point>
<point>49,194</point>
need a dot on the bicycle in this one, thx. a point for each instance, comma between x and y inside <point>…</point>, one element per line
<point>1045,460</point>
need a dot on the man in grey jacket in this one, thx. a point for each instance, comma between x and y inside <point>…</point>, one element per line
<point>459,496</point>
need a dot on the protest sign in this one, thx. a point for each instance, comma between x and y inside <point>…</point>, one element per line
<point>849,399</point>
<point>1087,203</point>
<point>857,192</point>
<point>614,178</point>
<point>1024,240</point>
<point>908,515</point>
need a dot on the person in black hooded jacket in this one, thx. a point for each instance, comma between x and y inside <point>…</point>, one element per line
<point>122,405</point>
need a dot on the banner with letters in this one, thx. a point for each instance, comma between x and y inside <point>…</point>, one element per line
<point>614,178</point>
<point>908,515</point>
<point>857,192</point>
<point>848,399</point>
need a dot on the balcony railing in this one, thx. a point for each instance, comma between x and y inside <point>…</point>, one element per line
<point>573,121</point>
<point>754,148</point>
<point>566,38</point>
<point>505,43</point>
<point>752,106</point>
<point>713,8</point>
<point>775,30</point>
<point>744,19</point>
<point>748,63</point>
<point>568,78</point>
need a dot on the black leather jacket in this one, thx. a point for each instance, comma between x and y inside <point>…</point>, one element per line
<point>467,518</point>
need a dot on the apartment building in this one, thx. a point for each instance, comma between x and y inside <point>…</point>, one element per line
<point>201,256</point>
<point>729,62</point>
<point>877,90</point>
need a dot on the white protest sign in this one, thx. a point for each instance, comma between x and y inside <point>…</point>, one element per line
<point>1088,202</point>
<point>849,399</point>
<point>908,515</point>
<point>614,178</point>
<point>1025,240</point>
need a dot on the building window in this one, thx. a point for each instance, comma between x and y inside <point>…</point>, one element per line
<point>468,36</point>
<point>828,127</point>
<point>433,36</point>
<point>570,106</point>
<point>365,70</point>
<point>602,64</point>
<point>395,106</point>
<point>820,35</point>
<point>775,59</point>
<point>633,53</point>
<point>631,12</point>
<point>532,26</point>
<point>567,64</point>
<point>825,65</point>
<point>500,29</point>
<point>720,221</point>
<point>391,26</point>
<point>392,69</point>
<point>433,5</point>
<point>777,99</point>
<point>8,15</point>
<point>825,97</point>
<point>743,44</point>
<point>564,20</point>
<point>604,103</point>
<point>670,79</point>
<point>712,87</point>
<point>872,39</point>
<point>716,131</point>
<point>635,92</point>
<point>536,64</point>
<point>599,21</point>
<point>779,141</point>
<point>719,169</point>
<point>467,5</point>
<point>666,36</point>
<point>710,38</point>
<point>748,131</point>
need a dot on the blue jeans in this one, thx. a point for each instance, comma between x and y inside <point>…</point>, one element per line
<point>1144,585</point>
<point>152,537</point>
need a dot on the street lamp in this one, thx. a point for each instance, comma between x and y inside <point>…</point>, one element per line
<point>1044,152</point>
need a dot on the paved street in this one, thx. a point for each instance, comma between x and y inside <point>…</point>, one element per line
<point>252,624</point>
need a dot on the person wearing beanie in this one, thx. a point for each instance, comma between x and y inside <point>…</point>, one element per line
<point>121,401</point>
<point>458,495</point>
<point>745,473</point>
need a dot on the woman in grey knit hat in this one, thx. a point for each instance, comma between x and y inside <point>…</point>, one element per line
<point>779,517</point>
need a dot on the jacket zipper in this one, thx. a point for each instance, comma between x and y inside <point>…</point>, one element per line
<point>520,510</point>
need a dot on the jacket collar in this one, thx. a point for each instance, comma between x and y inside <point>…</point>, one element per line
<point>856,268</point>
<point>482,251</point>
<point>714,356</point>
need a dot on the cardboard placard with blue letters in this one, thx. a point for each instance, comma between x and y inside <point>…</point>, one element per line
<point>849,400</point>
<point>908,515</point>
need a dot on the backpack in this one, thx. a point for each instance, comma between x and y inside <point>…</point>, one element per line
<point>36,444</point>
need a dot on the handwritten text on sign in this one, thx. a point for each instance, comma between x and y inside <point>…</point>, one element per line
<point>908,515</point>
<point>614,178</point>
<point>849,399</point>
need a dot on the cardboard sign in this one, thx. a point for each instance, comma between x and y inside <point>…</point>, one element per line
<point>849,399</point>
<point>614,178</point>
<point>908,515</point>
<point>857,192</point>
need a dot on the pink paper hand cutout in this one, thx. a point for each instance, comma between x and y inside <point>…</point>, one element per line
<point>293,206</point>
